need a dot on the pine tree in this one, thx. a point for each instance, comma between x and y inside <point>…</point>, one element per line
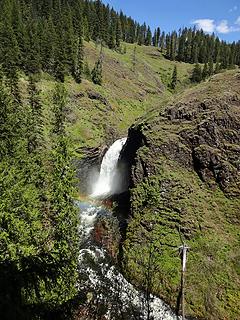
<point>158,34</point>
<point>148,40</point>
<point>49,46</point>
<point>197,73</point>
<point>205,71</point>
<point>217,67</point>
<point>162,41</point>
<point>118,33</point>
<point>134,58</point>
<point>174,78</point>
<point>154,39</point>
<point>9,49</point>
<point>112,37</point>
<point>78,60</point>
<point>64,213</point>
<point>97,72</point>
<point>168,46</point>
<point>210,67</point>
<point>173,46</point>
<point>33,58</point>
<point>87,71</point>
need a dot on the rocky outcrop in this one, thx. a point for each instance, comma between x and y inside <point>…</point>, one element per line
<point>97,96</point>
<point>87,167</point>
<point>205,136</point>
<point>184,173</point>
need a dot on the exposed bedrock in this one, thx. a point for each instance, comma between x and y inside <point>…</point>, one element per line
<point>184,170</point>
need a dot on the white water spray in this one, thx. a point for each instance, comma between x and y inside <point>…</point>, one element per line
<point>108,177</point>
<point>110,289</point>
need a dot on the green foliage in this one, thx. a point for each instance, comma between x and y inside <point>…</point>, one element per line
<point>174,78</point>
<point>37,36</point>
<point>197,73</point>
<point>78,61</point>
<point>38,219</point>
<point>205,71</point>
<point>163,204</point>
<point>97,72</point>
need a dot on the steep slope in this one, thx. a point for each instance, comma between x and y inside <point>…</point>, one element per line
<point>99,114</point>
<point>185,180</point>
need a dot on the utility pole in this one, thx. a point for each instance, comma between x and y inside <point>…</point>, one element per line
<point>183,251</point>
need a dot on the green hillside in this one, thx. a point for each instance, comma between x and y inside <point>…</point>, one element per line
<point>98,114</point>
<point>186,187</point>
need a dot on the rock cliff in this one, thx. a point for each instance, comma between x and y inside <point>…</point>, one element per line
<point>184,168</point>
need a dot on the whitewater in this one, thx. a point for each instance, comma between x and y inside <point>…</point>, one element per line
<point>101,280</point>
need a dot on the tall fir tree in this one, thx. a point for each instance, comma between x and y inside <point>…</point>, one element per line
<point>173,83</point>
<point>97,72</point>
<point>64,214</point>
<point>196,73</point>
<point>78,60</point>
<point>205,71</point>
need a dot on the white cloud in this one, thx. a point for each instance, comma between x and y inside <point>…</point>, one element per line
<point>206,25</point>
<point>210,26</point>
<point>223,27</point>
<point>233,9</point>
<point>238,21</point>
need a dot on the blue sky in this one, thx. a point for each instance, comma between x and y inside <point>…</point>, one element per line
<point>219,16</point>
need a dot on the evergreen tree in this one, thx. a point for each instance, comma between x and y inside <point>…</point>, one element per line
<point>158,34</point>
<point>32,46</point>
<point>97,72</point>
<point>173,46</point>
<point>118,33</point>
<point>210,67</point>
<point>197,73</point>
<point>174,78</point>
<point>148,40</point>
<point>112,37</point>
<point>205,71</point>
<point>87,71</point>
<point>64,213</point>
<point>217,67</point>
<point>154,39</point>
<point>134,58</point>
<point>78,60</point>
<point>168,46</point>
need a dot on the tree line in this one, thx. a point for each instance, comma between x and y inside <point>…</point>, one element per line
<point>48,35</point>
<point>194,46</point>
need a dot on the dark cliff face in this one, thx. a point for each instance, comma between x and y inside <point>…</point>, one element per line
<point>184,168</point>
<point>203,136</point>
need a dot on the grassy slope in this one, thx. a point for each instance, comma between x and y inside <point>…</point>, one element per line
<point>129,94</point>
<point>175,196</point>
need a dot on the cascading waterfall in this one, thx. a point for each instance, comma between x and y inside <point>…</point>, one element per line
<point>109,295</point>
<point>108,177</point>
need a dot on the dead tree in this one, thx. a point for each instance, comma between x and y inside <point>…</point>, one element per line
<point>183,249</point>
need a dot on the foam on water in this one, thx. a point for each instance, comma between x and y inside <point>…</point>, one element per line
<point>108,174</point>
<point>98,274</point>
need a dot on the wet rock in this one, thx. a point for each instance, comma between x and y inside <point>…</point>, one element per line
<point>106,233</point>
<point>88,166</point>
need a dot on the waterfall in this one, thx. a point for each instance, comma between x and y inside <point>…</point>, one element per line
<point>107,293</point>
<point>108,178</point>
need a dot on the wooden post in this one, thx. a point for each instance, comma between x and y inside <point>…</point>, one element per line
<point>183,251</point>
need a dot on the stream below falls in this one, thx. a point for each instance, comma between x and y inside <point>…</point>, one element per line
<point>107,294</point>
